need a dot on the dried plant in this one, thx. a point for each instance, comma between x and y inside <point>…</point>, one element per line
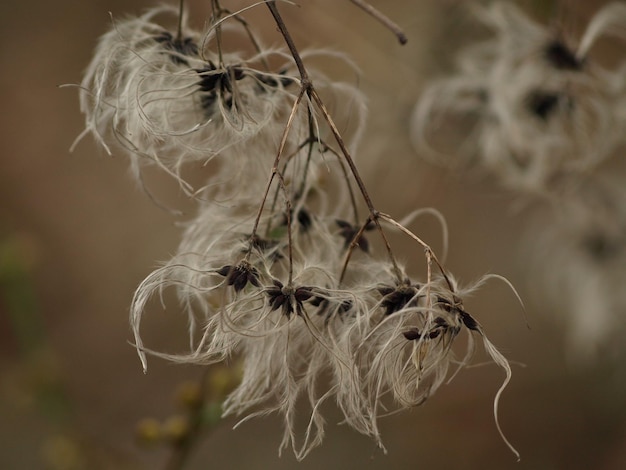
<point>287,263</point>
<point>543,112</point>
<point>543,116</point>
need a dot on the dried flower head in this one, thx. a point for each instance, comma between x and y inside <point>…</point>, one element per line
<point>275,266</point>
<point>542,108</point>
<point>578,250</point>
<point>293,319</point>
<point>174,98</point>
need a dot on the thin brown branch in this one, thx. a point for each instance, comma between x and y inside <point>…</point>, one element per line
<point>216,12</point>
<point>179,30</point>
<point>224,12</point>
<point>288,212</point>
<point>275,169</point>
<point>359,181</point>
<point>430,254</point>
<point>307,87</point>
<point>310,142</point>
<point>355,208</point>
<point>304,76</point>
<point>353,244</point>
<point>382,18</point>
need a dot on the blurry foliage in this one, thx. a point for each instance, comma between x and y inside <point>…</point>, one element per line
<point>35,382</point>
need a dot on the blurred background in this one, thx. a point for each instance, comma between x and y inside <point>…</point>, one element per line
<point>77,236</point>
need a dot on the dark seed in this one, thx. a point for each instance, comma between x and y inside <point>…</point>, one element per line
<point>468,321</point>
<point>542,104</point>
<point>413,334</point>
<point>561,57</point>
<point>239,276</point>
<point>302,294</point>
<point>225,270</point>
<point>434,333</point>
<point>304,219</point>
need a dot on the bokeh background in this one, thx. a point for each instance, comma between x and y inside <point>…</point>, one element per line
<point>77,236</point>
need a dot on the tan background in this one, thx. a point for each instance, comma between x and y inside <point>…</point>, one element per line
<point>77,236</point>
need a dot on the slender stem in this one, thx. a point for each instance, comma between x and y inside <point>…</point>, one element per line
<point>429,275</point>
<point>300,192</point>
<point>304,76</point>
<point>216,10</point>
<point>283,142</point>
<point>224,13</point>
<point>430,254</point>
<point>353,244</point>
<point>179,33</point>
<point>359,181</point>
<point>307,87</point>
<point>310,141</point>
<point>288,210</point>
<point>269,226</point>
<point>355,207</point>
<point>379,16</point>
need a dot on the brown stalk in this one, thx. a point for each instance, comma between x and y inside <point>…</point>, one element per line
<point>307,87</point>
<point>379,16</point>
